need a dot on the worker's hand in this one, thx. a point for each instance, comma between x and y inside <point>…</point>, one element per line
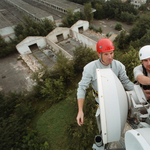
<point>80,117</point>
<point>147,93</point>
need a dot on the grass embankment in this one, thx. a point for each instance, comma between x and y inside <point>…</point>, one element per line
<point>52,125</point>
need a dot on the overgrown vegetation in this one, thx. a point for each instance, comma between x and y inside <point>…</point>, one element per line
<point>27,119</point>
<point>72,17</point>
<point>92,27</point>
<point>114,9</point>
<point>118,26</point>
<point>18,110</point>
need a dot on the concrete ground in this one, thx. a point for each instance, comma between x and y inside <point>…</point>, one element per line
<point>109,25</point>
<point>14,75</point>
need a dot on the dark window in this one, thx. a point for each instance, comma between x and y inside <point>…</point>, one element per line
<point>80,29</point>
<point>60,37</point>
<point>33,47</point>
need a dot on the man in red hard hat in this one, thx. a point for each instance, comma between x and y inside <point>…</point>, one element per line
<point>105,50</point>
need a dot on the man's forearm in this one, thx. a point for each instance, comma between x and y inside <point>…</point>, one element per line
<point>142,79</point>
<point>80,104</point>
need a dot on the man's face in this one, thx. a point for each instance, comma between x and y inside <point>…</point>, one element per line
<point>107,57</point>
<point>146,63</point>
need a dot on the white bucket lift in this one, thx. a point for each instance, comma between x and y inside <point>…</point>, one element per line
<point>115,104</point>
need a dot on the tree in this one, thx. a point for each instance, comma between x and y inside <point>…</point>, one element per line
<point>143,7</point>
<point>88,12</point>
<point>100,30</point>
<point>3,45</point>
<point>81,138</point>
<point>33,28</point>
<point>82,56</point>
<point>53,90</point>
<point>18,29</point>
<point>121,40</point>
<point>99,11</point>
<point>117,14</point>
<point>118,26</point>
<point>131,60</point>
<point>64,68</point>
<point>72,17</point>
<point>135,44</point>
<point>145,40</point>
<point>140,28</point>
<point>130,18</point>
<point>134,33</point>
<point>123,17</point>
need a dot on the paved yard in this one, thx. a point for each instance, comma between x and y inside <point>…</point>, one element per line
<point>14,75</point>
<point>109,25</point>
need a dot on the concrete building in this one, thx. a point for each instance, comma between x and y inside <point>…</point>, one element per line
<point>40,52</point>
<point>137,3</point>
<point>63,5</point>
<point>30,10</point>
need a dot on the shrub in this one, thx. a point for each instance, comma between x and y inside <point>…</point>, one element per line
<point>82,56</point>
<point>118,26</point>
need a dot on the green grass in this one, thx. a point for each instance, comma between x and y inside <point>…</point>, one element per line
<point>52,125</point>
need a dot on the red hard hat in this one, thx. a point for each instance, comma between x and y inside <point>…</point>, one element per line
<point>105,45</point>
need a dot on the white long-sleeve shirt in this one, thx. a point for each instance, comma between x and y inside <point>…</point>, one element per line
<point>89,76</point>
<point>139,70</point>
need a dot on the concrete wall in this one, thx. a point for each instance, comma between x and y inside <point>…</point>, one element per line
<point>84,40</point>
<point>7,33</point>
<point>54,47</point>
<point>49,17</point>
<point>57,31</point>
<point>23,47</point>
<point>80,23</point>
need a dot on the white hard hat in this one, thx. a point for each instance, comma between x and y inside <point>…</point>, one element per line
<point>144,52</point>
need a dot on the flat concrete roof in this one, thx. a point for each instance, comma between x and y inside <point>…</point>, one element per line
<point>9,15</point>
<point>69,45</point>
<point>39,13</point>
<point>65,4</point>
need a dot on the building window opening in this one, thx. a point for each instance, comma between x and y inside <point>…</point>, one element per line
<point>60,37</point>
<point>80,29</point>
<point>33,47</point>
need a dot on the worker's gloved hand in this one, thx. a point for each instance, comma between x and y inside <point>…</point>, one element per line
<point>80,118</point>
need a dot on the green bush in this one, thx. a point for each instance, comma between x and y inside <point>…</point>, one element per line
<point>118,26</point>
<point>83,56</point>
<point>32,141</point>
<point>15,115</point>
<point>130,59</point>
<point>92,27</point>
<point>53,90</point>
<point>83,137</point>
